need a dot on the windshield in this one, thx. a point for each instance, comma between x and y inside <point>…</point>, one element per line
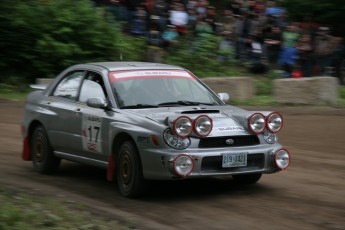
<point>148,88</point>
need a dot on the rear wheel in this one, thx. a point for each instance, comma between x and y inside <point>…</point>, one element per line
<point>43,158</point>
<point>247,178</point>
<point>129,173</point>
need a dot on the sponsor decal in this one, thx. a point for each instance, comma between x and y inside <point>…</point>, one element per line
<point>230,128</point>
<point>139,74</point>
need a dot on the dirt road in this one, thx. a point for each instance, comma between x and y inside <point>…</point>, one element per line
<point>310,194</point>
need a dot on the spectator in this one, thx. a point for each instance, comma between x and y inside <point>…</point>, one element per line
<point>192,4</point>
<point>256,55</point>
<point>283,20</point>
<point>160,8</point>
<point>288,54</point>
<point>228,25</point>
<point>259,7</point>
<point>201,8</point>
<point>131,7</point>
<point>226,47</point>
<point>170,36</point>
<point>308,26</point>
<point>323,49</point>
<point>244,28</point>
<point>305,53</point>
<point>251,5</point>
<point>273,9</point>
<point>138,25</point>
<point>235,6</point>
<point>192,19</point>
<point>290,36</point>
<point>210,17</point>
<point>273,41</point>
<point>179,18</point>
<point>202,29</point>
<point>155,43</point>
<point>338,59</point>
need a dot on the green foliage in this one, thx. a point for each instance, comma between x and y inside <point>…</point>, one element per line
<point>42,37</point>
<point>17,92</point>
<point>263,87</point>
<point>323,11</point>
<point>341,97</point>
<point>200,56</point>
<point>130,48</point>
<point>341,92</point>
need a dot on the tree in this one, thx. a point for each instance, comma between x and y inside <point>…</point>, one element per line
<point>39,38</point>
<point>330,12</point>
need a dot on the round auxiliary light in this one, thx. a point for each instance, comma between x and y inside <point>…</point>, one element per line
<point>183,165</point>
<point>183,126</point>
<point>274,122</point>
<point>256,123</point>
<point>203,125</point>
<point>282,159</point>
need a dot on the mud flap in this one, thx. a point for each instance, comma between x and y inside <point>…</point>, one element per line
<point>111,168</point>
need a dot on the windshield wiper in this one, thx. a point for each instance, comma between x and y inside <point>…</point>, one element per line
<point>138,106</point>
<point>184,102</point>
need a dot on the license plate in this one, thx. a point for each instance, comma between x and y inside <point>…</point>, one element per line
<point>234,160</point>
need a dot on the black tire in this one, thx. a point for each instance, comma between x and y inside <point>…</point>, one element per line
<point>129,173</point>
<point>247,178</point>
<point>43,158</point>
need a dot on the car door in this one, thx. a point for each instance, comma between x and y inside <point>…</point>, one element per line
<point>64,124</point>
<point>95,122</point>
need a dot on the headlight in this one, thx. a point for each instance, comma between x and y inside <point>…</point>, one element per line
<point>282,159</point>
<point>203,125</point>
<point>256,123</point>
<point>274,122</point>
<point>175,141</point>
<point>270,138</point>
<point>183,165</point>
<point>182,126</point>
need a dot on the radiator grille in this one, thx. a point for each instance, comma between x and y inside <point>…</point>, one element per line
<point>218,142</point>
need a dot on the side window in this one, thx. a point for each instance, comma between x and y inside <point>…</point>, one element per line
<point>93,86</point>
<point>68,87</point>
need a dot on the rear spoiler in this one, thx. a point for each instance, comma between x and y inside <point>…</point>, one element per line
<point>39,87</point>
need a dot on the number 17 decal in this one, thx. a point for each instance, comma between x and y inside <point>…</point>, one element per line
<point>91,133</point>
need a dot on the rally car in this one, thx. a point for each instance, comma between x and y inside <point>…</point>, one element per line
<point>147,121</point>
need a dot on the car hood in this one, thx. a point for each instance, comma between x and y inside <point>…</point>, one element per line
<point>227,120</point>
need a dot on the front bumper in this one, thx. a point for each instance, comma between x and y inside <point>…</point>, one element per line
<point>158,163</point>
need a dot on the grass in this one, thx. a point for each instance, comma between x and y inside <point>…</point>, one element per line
<point>24,211</point>
<point>341,97</point>
<point>262,100</point>
<point>14,92</point>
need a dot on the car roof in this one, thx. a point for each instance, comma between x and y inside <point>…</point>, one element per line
<point>114,66</point>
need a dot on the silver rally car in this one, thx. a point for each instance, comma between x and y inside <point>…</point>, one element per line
<point>147,121</point>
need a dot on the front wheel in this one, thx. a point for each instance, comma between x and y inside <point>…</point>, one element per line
<point>247,178</point>
<point>43,158</point>
<point>129,173</point>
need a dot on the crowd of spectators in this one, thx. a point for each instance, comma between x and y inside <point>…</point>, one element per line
<point>255,31</point>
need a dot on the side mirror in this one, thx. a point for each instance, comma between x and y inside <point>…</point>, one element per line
<point>97,102</point>
<point>224,97</point>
